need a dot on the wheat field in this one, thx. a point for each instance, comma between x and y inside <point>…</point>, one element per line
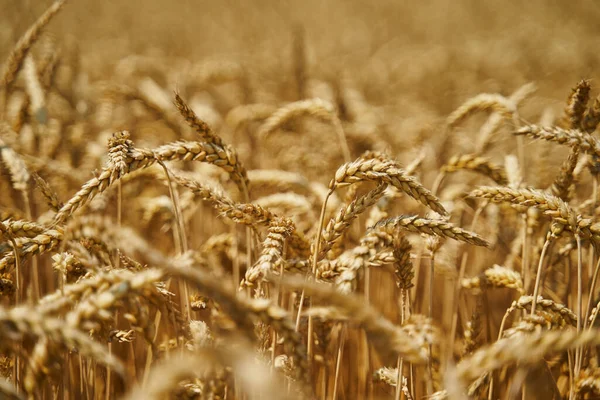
<point>299,200</point>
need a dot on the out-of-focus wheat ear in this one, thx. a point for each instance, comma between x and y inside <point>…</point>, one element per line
<point>49,194</point>
<point>15,115</point>
<point>317,108</point>
<point>252,376</point>
<point>16,166</point>
<point>245,310</point>
<point>513,171</point>
<point>587,384</point>
<point>524,350</point>
<point>37,101</point>
<point>586,142</point>
<point>37,363</point>
<point>19,52</point>
<point>493,123</point>
<point>563,183</point>
<point>495,277</point>
<point>576,105</point>
<point>25,321</point>
<point>385,336</point>
<point>243,114</point>
<point>8,391</point>
<point>591,117</point>
<point>473,328</point>
<point>482,102</point>
<point>475,163</point>
<point>389,376</point>
<point>166,376</point>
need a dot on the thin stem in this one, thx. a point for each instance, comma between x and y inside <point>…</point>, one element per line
<point>430,358</point>
<point>339,129</point>
<point>438,182</point>
<point>461,275</point>
<point>34,261</point>
<point>108,376</point>
<point>339,360</point>
<point>314,271</point>
<point>400,362</point>
<point>536,289</point>
<point>571,377</point>
<point>525,255</point>
<point>578,351</point>
<point>591,295</point>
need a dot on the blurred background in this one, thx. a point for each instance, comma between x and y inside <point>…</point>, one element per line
<point>405,65</point>
<point>448,49</point>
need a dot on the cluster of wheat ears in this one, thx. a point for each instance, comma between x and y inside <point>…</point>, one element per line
<point>142,257</point>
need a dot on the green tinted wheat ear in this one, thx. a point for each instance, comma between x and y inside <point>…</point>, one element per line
<point>386,172</point>
<point>21,49</point>
<point>586,142</point>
